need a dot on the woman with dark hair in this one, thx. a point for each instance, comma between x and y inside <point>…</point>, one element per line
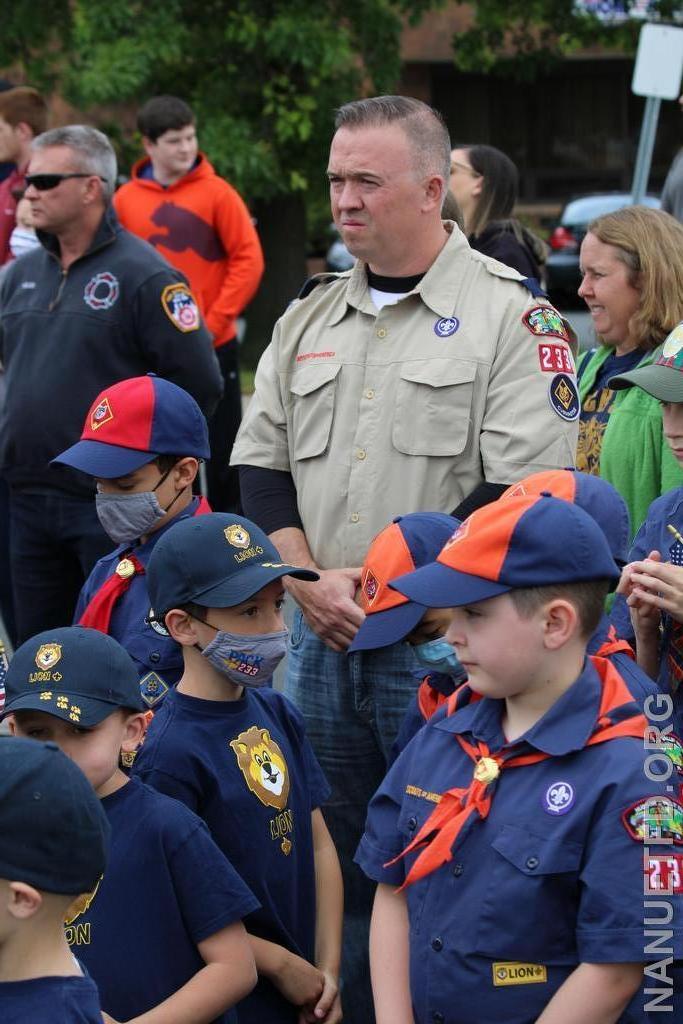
<point>485,181</point>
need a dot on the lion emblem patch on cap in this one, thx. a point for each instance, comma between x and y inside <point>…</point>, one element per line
<point>237,536</point>
<point>48,655</point>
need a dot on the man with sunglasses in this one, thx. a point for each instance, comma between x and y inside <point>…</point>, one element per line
<point>90,306</point>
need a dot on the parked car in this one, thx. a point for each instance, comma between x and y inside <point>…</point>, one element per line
<point>562,269</point>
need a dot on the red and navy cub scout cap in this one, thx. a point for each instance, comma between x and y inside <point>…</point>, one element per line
<point>593,494</point>
<point>132,422</point>
<point>526,541</point>
<point>407,543</point>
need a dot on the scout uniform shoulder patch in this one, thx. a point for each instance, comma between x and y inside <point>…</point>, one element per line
<point>563,397</point>
<point>263,766</point>
<point>180,307</point>
<point>656,818</point>
<point>546,322</point>
<point>152,689</point>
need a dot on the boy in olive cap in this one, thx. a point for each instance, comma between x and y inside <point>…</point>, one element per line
<point>53,838</point>
<point>648,610</point>
<point>161,933</point>
<point>142,442</point>
<point>235,751</point>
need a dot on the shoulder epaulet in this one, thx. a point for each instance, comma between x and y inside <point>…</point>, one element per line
<point>534,286</point>
<point>313,282</point>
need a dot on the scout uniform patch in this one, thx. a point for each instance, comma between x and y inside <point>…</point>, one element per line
<point>563,396</point>
<point>48,655</point>
<point>101,415</point>
<point>554,358</point>
<point>657,818</point>
<point>519,974</point>
<point>152,689</point>
<point>180,307</point>
<point>446,326</point>
<point>545,321</point>
<point>237,536</point>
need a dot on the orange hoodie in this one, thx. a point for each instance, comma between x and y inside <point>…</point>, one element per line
<point>200,225</point>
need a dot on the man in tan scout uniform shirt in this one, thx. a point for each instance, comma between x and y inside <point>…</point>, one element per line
<point>425,373</point>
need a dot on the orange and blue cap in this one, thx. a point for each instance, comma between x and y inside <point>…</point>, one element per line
<point>404,545</point>
<point>525,541</point>
<point>132,422</point>
<point>593,494</point>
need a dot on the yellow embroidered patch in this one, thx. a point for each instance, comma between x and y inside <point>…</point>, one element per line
<point>514,973</point>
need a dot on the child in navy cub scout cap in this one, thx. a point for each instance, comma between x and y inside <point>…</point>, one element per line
<point>648,610</point>
<point>53,842</point>
<point>405,544</point>
<point>142,441</point>
<point>160,931</point>
<point>236,752</point>
<point>502,820</point>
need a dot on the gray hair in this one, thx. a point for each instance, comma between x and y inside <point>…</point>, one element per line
<point>424,126</point>
<point>93,149</point>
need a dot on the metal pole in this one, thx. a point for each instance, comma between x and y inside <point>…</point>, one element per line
<point>648,131</point>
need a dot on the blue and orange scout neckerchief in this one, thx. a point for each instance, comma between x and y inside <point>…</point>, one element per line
<point>98,613</point>
<point>441,829</point>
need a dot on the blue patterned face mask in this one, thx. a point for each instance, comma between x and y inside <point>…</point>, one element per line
<point>438,656</point>
<point>246,660</point>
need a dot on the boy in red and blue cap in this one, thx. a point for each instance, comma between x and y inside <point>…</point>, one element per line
<point>142,441</point>
<point>407,543</point>
<point>502,822</point>
<point>235,751</point>
<point>160,931</point>
<point>53,841</point>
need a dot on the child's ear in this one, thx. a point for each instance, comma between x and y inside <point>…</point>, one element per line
<point>185,471</point>
<point>23,900</point>
<point>182,627</point>
<point>135,727</point>
<point>561,622</point>
<point>11,725</point>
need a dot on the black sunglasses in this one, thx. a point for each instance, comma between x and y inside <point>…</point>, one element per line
<point>45,182</point>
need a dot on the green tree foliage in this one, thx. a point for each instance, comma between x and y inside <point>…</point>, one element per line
<point>522,38</point>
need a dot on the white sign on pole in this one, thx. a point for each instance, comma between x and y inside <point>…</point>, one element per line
<point>659,62</point>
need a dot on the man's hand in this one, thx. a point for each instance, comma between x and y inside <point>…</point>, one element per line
<point>299,982</point>
<point>329,606</point>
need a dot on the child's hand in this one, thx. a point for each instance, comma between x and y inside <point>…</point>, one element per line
<point>328,1007</point>
<point>636,583</point>
<point>299,982</point>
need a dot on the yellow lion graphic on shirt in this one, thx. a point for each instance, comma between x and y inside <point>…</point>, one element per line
<point>261,762</point>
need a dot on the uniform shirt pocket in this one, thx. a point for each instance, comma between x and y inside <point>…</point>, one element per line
<point>530,904</point>
<point>432,415</point>
<point>312,391</point>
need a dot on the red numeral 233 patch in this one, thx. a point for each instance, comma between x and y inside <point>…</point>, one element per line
<point>555,358</point>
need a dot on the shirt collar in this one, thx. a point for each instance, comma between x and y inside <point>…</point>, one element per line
<point>566,726</point>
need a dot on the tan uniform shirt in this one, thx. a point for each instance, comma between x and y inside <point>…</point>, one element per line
<point>376,414</point>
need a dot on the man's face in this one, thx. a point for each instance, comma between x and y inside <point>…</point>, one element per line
<point>65,205</point>
<point>173,154</point>
<point>377,194</point>
<point>9,142</point>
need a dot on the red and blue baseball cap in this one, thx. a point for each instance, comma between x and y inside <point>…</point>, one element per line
<point>132,422</point>
<point>216,561</point>
<point>73,673</point>
<point>663,378</point>
<point>594,495</point>
<point>407,543</point>
<point>525,541</point>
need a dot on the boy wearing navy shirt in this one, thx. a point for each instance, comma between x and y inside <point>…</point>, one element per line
<point>142,441</point>
<point>53,840</point>
<point>502,822</point>
<point>649,607</point>
<point>235,751</point>
<point>161,931</point>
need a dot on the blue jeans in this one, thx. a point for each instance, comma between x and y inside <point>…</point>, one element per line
<point>56,540</point>
<point>353,705</point>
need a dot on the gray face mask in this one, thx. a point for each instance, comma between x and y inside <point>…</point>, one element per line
<point>125,517</point>
<point>246,660</point>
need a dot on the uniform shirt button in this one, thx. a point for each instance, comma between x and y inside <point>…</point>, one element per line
<point>360,454</point>
<point>155,657</point>
<point>354,517</point>
<point>370,393</point>
<point>412,823</point>
<point>532,863</point>
<point>381,332</point>
<point>437,944</point>
<point>458,869</point>
<point>438,1018</point>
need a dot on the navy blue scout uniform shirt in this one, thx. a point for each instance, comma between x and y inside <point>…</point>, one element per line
<point>166,888</point>
<point>159,659</point>
<point>653,535</point>
<point>532,890</point>
<point>50,1001</point>
<point>248,770</point>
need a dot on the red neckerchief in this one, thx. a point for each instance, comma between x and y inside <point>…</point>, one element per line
<point>443,826</point>
<point>98,613</point>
